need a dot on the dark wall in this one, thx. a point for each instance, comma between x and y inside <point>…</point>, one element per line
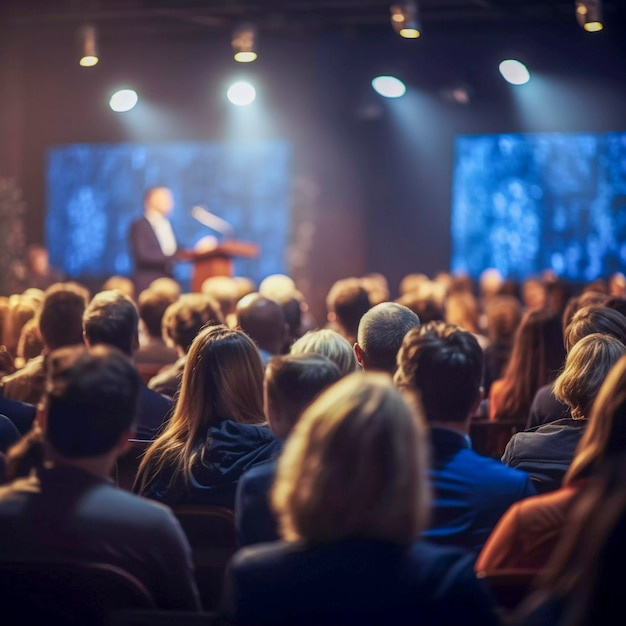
<point>372,178</point>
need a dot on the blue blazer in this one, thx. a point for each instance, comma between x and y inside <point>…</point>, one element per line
<point>470,491</point>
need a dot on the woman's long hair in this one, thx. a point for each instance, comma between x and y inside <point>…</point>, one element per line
<point>537,356</point>
<point>222,380</point>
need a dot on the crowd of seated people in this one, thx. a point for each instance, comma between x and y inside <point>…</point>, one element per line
<point>333,442</point>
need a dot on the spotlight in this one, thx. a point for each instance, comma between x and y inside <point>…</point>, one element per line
<point>404,19</point>
<point>389,86</point>
<point>589,15</point>
<point>241,93</point>
<point>514,72</point>
<point>243,43</point>
<point>123,100</point>
<point>88,45</point>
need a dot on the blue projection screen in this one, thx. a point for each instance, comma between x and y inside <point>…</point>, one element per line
<point>94,192</point>
<point>527,202</point>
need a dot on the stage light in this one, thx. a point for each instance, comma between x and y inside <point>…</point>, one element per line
<point>243,42</point>
<point>514,72</point>
<point>88,45</point>
<point>404,19</point>
<point>241,93</point>
<point>123,100</point>
<point>389,86</point>
<point>589,15</point>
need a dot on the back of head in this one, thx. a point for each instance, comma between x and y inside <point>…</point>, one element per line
<point>444,365</point>
<point>586,298</point>
<point>279,287</point>
<point>605,435</point>
<point>183,319</point>
<point>122,284</point>
<point>152,305</point>
<point>112,318</point>
<point>354,466</point>
<point>461,309</point>
<point>222,380</point>
<point>329,343</point>
<point>167,286</point>
<point>225,290</point>
<point>90,400</point>
<point>595,319</point>
<point>61,315</point>
<point>504,314</point>
<point>587,365</point>
<point>380,334</point>
<point>346,302</point>
<point>292,381</point>
<point>263,319</point>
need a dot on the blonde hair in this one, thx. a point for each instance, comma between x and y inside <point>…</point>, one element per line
<point>355,466</point>
<point>586,367</point>
<point>328,343</point>
<point>605,435</point>
<point>222,380</point>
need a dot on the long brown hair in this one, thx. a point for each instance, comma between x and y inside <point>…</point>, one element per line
<point>222,380</point>
<point>537,356</point>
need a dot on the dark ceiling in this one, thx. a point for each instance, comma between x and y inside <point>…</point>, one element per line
<point>281,15</point>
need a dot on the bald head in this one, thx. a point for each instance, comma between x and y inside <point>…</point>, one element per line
<point>263,320</point>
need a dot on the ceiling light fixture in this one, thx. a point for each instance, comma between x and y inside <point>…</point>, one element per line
<point>244,42</point>
<point>88,45</point>
<point>405,20</point>
<point>589,15</point>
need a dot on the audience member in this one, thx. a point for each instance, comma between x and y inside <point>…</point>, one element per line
<point>346,302</point>
<point>123,284</point>
<point>169,287</point>
<point>20,309</point>
<point>536,359</point>
<point>218,429</point>
<point>503,315</point>
<point>584,321</point>
<point>225,290</point>
<point>181,322</point>
<point>546,452</point>
<point>461,309</point>
<point>111,318</point>
<point>534,295</point>
<point>60,325</point>
<point>328,343</point>
<point>30,344</point>
<point>352,496</point>
<point>152,347</point>
<point>37,271</point>
<point>380,333</point>
<point>68,507</point>
<point>527,533</point>
<point>21,414</point>
<point>443,365</point>
<point>582,583</point>
<point>263,320</point>
<point>292,382</point>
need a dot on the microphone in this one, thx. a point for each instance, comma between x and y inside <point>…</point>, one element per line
<point>206,218</point>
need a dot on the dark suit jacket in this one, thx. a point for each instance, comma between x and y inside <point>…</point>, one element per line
<point>150,262</point>
<point>546,408</point>
<point>20,413</point>
<point>154,411</point>
<point>254,520</point>
<point>355,582</point>
<point>471,492</point>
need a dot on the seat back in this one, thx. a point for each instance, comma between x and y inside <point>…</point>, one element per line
<point>211,534</point>
<point>68,593</point>
<point>127,464</point>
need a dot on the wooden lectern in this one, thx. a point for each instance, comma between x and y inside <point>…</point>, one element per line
<point>217,261</point>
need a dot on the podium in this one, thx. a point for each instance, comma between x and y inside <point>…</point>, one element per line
<point>217,261</point>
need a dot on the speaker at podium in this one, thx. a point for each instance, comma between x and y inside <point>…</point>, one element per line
<point>212,257</point>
